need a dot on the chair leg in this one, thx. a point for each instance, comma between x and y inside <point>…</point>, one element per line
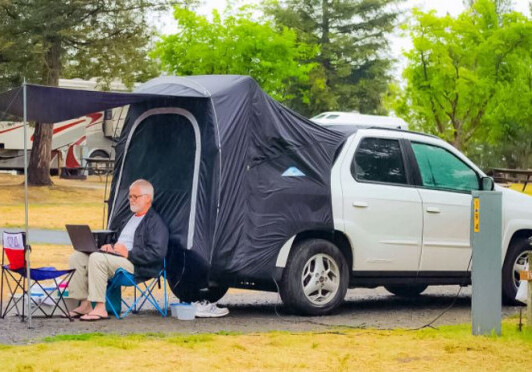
<point>2,315</point>
<point>61,297</point>
<point>108,300</point>
<point>23,297</point>
<point>145,294</point>
<point>13,303</point>
<point>165,295</point>
<point>135,311</point>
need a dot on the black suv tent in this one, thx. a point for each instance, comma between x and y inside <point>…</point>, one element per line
<point>236,174</point>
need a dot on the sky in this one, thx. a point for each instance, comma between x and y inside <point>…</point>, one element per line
<point>398,44</point>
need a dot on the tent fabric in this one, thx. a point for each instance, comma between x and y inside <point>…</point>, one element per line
<point>263,177</point>
<point>236,174</point>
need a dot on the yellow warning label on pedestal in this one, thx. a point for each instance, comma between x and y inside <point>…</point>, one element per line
<point>476,215</point>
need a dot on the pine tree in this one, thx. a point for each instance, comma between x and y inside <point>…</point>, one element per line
<point>49,39</point>
<point>354,68</point>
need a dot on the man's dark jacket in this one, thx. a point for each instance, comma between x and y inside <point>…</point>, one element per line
<point>149,245</point>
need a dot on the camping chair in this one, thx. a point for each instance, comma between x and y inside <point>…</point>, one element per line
<point>144,286</point>
<point>15,248</point>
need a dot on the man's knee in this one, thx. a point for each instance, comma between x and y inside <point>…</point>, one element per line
<point>78,259</point>
<point>97,259</point>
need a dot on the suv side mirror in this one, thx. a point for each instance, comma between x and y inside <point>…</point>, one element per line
<point>487,183</point>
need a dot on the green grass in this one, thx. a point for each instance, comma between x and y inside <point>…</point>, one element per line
<point>446,348</point>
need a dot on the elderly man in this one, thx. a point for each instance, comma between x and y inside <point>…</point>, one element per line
<point>140,249</point>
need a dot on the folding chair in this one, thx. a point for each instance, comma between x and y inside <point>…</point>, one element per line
<point>15,248</point>
<point>144,286</point>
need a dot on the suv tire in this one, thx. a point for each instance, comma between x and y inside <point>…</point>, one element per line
<point>406,290</point>
<point>315,279</point>
<point>513,263</point>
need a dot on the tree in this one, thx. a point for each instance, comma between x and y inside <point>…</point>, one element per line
<point>352,36</point>
<point>469,78</point>
<point>82,38</point>
<point>235,45</point>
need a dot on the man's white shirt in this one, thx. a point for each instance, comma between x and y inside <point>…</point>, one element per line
<point>128,232</point>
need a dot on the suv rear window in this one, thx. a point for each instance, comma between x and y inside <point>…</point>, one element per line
<point>379,160</point>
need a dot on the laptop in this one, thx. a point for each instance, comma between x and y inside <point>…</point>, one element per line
<point>83,239</point>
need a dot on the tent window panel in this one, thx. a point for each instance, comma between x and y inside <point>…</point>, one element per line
<point>162,150</point>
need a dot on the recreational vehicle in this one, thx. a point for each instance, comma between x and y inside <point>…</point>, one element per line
<point>73,140</point>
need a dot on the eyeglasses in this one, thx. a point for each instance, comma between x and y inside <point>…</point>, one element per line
<point>135,197</point>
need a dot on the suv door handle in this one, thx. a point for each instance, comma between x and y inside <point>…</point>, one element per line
<point>433,210</point>
<point>360,204</point>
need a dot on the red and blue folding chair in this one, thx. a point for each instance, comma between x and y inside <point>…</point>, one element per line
<point>14,276</point>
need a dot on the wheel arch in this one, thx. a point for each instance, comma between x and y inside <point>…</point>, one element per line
<point>338,238</point>
<point>94,150</point>
<point>519,234</point>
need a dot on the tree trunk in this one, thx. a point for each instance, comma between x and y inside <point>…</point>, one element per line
<point>39,166</point>
<point>41,153</point>
<point>324,39</point>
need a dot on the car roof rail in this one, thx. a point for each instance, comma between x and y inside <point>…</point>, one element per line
<point>403,131</point>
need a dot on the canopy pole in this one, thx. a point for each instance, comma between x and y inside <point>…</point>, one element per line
<point>26,245</point>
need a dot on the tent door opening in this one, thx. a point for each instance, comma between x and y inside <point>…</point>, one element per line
<point>164,147</point>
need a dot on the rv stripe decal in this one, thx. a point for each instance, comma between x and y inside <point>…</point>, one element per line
<point>10,129</point>
<point>60,129</point>
<point>94,118</point>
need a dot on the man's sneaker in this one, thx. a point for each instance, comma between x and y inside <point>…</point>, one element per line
<point>206,309</point>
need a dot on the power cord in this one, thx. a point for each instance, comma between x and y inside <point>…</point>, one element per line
<point>428,325</point>
<point>308,321</point>
<point>182,271</point>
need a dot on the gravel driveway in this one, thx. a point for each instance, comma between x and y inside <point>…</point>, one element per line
<point>260,311</point>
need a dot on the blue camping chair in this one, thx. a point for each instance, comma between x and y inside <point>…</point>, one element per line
<point>145,287</point>
<point>15,248</point>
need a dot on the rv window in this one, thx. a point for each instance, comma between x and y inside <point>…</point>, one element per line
<point>108,114</point>
<point>333,116</point>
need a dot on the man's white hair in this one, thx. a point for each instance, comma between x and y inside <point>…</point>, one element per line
<point>145,186</point>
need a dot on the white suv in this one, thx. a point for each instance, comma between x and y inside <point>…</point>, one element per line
<point>402,208</point>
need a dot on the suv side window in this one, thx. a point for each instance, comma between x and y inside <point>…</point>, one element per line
<point>379,160</point>
<point>440,169</point>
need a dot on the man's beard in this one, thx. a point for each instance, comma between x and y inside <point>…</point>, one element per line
<point>134,208</point>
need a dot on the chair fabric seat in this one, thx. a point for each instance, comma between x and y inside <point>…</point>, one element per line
<point>123,278</point>
<point>40,273</point>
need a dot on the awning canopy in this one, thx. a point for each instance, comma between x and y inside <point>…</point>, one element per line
<point>52,104</point>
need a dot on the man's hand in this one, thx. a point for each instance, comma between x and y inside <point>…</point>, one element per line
<point>106,248</point>
<point>121,249</point>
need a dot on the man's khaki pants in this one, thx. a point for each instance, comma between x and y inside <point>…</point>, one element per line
<point>92,273</point>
